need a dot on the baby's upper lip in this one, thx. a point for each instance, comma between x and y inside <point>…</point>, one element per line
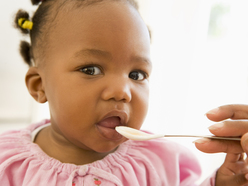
<point>117,113</point>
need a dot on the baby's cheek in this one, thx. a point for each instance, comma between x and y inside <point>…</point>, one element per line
<point>141,111</point>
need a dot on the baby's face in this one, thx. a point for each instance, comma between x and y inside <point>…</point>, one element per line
<point>96,74</point>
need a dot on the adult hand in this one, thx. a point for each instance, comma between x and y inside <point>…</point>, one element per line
<point>232,121</point>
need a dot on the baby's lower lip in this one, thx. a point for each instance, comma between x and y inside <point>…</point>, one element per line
<point>107,126</point>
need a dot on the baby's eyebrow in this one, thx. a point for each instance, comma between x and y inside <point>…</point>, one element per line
<point>141,59</point>
<point>107,55</point>
<point>93,52</point>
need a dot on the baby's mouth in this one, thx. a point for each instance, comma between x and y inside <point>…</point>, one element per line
<point>110,122</point>
<point>106,127</point>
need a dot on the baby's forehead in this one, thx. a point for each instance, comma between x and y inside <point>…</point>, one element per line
<point>67,4</point>
<point>52,14</point>
<point>102,29</point>
<point>64,7</point>
<point>73,9</point>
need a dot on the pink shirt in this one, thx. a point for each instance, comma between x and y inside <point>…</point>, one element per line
<point>135,163</point>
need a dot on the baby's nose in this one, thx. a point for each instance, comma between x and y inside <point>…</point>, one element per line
<point>118,89</point>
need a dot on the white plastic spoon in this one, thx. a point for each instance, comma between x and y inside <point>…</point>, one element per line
<point>138,135</point>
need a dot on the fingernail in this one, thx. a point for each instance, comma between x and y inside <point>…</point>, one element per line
<point>246,176</point>
<point>202,141</point>
<point>216,126</point>
<point>213,111</point>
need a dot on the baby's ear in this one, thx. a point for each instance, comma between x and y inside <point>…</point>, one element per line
<point>34,84</point>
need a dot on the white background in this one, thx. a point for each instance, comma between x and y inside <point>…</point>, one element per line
<point>194,70</point>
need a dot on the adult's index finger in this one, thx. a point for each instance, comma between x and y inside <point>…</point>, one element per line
<point>234,111</point>
<point>230,128</point>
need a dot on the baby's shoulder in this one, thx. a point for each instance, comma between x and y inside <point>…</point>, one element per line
<point>17,143</point>
<point>19,134</point>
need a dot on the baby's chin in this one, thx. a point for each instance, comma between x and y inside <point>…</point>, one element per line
<point>108,149</point>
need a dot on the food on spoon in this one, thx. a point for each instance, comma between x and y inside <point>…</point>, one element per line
<point>135,134</point>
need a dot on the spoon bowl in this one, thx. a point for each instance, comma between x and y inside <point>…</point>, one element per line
<point>135,134</point>
<point>138,135</point>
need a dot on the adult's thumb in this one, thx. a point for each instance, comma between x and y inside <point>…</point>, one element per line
<point>236,180</point>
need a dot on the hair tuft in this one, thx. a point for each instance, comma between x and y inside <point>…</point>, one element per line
<point>35,2</point>
<point>21,14</point>
<point>25,50</point>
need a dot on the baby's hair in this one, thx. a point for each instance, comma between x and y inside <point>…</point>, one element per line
<point>39,19</point>
<point>40,25</point>
<point>36,2</point>
<point>24,45</point>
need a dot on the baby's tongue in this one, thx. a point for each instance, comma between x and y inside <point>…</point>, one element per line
<point>110,122</point>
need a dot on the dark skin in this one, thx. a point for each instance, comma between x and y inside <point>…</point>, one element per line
<point>233,121</point>
<point>111,38</point>
<point>87,77</point>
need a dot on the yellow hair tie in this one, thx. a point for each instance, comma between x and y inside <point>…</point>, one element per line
<point>25,23</point>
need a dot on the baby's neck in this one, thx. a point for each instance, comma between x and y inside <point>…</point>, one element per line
<point>65,153</point>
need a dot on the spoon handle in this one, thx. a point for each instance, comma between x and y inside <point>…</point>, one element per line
<point>210,137</point>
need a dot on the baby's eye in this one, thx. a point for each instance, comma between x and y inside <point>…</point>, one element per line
<point>91,70</point>
<point>136,75</point>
